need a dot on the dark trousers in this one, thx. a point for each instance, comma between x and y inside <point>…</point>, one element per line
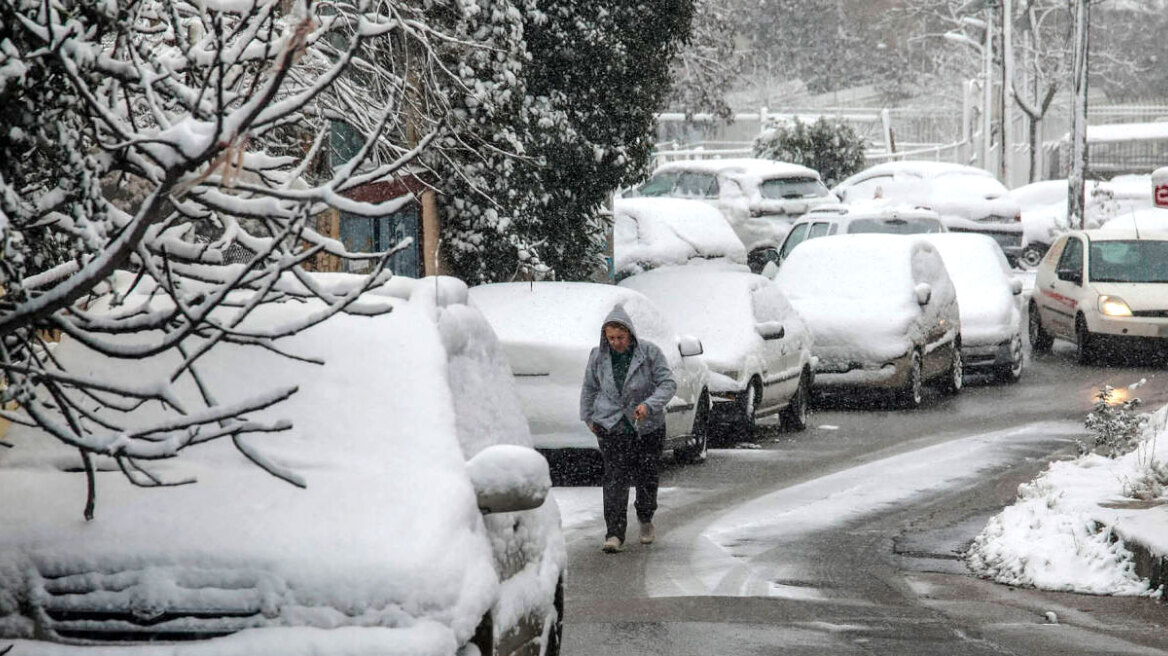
<point>633,461</point>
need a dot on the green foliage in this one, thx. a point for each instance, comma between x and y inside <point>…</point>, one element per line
<point>834,149</point>
<point>1115,426</point>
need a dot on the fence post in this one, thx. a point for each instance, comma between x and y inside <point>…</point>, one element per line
<point>886,123</point>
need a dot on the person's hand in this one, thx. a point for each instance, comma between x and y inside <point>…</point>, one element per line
<point>641,412</point>
<point>592,427</point>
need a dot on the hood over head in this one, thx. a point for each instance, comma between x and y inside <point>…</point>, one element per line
<point>617,315</point>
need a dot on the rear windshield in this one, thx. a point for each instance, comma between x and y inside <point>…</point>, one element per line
<point>659,185</point>
<point>1129,261</point>
<point>896,226</point>
<point>786,188</point>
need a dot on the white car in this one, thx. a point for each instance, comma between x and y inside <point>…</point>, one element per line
<point>989,298</point>
<point>655,232</point>
<point>883,312</point>
<point>968,199</point>
<point>759,197</point>
<point>548,329</point>
<point>422,525</point>
<point>756,345</point>
<point>1101,288</point>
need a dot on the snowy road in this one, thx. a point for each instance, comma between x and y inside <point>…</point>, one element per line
<point>844,539</point>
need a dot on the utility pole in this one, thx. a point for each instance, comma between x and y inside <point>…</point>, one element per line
<point>1078,169</point>
<point>1007,91</point>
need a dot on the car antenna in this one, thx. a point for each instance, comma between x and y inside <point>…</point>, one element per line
<point>1136,223</point>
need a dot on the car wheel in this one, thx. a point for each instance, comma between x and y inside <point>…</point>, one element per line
<point>697,452</point>
<point>556,633</point>
<point>794,416</point>
<point>910,395</point>
<point>747,409</point>
<point>956,378</point>
<point>1012,372</point>
<point>1084,342</point>
<point>1032,255</point>
<point>1040,340</point>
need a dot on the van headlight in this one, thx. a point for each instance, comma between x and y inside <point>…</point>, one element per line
<point>1114,306</point>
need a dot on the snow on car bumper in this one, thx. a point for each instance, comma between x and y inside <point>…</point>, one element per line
<point>891,374</point>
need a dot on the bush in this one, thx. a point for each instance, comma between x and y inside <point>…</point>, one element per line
<point>1116,428</point>
<point>834,149</point>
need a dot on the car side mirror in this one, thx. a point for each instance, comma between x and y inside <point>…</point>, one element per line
<point>1015,286</point>
<point>689,346</point>
<point>924,293</point>
<point>1070,275</point>
<point>508,478</point>
<point>771,330</point>
<point>770,270</point>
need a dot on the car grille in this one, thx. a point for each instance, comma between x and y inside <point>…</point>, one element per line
<point>1160,314</point>
<point>154,604</point>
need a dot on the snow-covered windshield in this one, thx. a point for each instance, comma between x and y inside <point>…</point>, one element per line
<point>895,226</point>
<point>787,188</point>
<point>1129,261</point>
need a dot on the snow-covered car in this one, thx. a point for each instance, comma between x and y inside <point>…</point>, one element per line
<point>548,329</point>
<point>655,232</point>
<point>989,299</point>
<point>422,526</point>
<point>1101,288</point>
<point>756,345</point>
<point>1044,209</point>
<point>858,219</point>
<point>968,199</point>
<point>883,312</point>
<point>759,197</point>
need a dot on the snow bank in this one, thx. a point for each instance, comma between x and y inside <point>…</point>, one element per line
<point>1067,529</point>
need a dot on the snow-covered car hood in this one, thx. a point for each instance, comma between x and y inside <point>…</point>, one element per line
<point>871,331</point>
<point>359,545</point>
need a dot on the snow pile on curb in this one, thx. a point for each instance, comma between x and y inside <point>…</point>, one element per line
<point>1067,529</point>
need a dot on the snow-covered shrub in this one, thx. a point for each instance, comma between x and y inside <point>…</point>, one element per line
<point>834,149</point>
<point>1115,428</point>
<point>1150,484</point>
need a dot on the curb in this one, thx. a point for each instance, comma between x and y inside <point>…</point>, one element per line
<point>1149,565</point>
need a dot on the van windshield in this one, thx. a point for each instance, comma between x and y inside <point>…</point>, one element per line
<point>1136,260</point>
<point>896,226</point>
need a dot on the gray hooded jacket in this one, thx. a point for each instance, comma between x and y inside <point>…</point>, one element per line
<point>649,381</point>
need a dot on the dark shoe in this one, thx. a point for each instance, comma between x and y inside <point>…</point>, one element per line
<point>613,545</point>
<point>647,533</point>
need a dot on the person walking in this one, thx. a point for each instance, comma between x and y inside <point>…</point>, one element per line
<point>626,386</point>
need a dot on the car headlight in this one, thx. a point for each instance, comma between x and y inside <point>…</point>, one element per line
<point>1114,306</point>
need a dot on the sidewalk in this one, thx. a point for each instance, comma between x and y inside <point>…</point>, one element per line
<point>1091,525</point>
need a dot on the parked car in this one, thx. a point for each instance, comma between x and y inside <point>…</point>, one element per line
<point>1044,209</point>
<point>423,519</point>
<point>655,232</point>
<point>1101,288</point>
<point>883,312</point>
<point>548,329</point>
<point>968,199</point>
<point>859,219</point>
<point>756,345</point>
<point>759,198</point>
<point>989,299</point>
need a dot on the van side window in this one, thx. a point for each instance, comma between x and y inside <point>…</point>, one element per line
<point>798,234</point>
<point>817,230</point>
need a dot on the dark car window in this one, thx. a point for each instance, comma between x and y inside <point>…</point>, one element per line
<point>896,226</point>
<point>801,187</point>
<point>798,234</point>
<point>1129,261</point>
<point>699,185</point>
<point>1070,265</point>
<point>817,230</point>
<point>661,184</point>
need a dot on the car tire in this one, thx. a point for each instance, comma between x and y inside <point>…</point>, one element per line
<point>747,410</point>
<point>955,378</point>
<point>911,395</point>
<point>697,452</point>
<point>1032,255</point>
<point>1085,347</point>
<point>1011,372</point>
<point>1040,340</point>
<point>556,634</point>
<point>794,416</point>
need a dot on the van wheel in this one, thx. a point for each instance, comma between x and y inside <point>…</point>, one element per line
<point>910,396</point>
<point>1040,340</point>
<point>794,416</point>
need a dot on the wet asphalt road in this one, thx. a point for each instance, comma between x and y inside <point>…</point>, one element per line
<point>886,579</point>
